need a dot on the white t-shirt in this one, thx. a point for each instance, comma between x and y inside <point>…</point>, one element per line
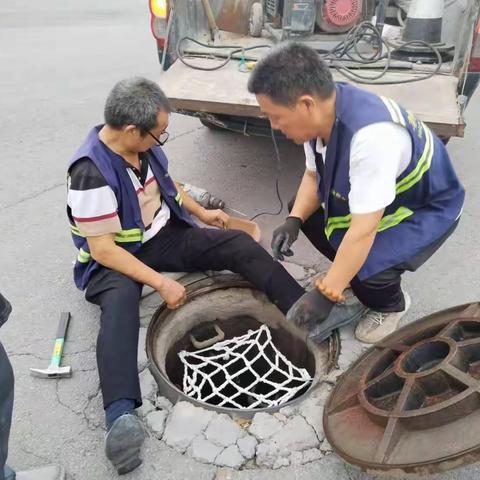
<point>379,154</point>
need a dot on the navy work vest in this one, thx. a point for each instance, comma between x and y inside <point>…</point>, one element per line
<point>113,169</point>
<point>429,197</point>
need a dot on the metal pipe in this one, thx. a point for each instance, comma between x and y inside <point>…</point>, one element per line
<point>211,18</point>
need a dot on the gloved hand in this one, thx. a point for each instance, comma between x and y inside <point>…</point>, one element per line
<point>310,309</point>
<point>284,236</point>
<point>5,309</point>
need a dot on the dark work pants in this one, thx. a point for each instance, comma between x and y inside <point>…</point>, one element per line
<point>6,406</point>
<point>6,393</point>
<point>176,248</point>
<point>381,292</point>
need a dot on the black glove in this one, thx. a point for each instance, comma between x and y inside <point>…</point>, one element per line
<point>5,309</point>
<point>310,309</point>
<point>284,236</point>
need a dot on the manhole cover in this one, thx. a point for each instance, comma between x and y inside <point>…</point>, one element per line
<point>228,304</point>
<point>412,403</point>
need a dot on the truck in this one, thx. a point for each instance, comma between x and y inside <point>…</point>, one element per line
<point>424,55</point>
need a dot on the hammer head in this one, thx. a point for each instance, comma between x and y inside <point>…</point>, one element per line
<point>52,372</point>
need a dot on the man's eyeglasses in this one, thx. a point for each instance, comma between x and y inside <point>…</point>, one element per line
<point>160,140</point>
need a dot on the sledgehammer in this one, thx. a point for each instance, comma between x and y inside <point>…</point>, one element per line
<point>54,370</point>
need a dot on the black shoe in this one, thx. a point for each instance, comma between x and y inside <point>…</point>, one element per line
<point>123,443</point>
<point>341,315</point>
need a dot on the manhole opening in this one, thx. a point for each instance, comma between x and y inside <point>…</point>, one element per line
<point>425,357</point>
<point>293,348</point>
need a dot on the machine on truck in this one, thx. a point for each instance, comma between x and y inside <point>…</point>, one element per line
<point>423,54</point>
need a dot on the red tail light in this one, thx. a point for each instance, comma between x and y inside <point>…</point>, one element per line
<point>158,24</point>
<point>475,58</point>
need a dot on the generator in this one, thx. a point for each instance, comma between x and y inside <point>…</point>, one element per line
<point>304,17</point>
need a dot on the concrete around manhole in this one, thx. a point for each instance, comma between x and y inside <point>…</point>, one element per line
<point>291,435</point>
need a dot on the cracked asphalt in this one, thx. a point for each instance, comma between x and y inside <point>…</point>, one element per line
<point>58,61</point>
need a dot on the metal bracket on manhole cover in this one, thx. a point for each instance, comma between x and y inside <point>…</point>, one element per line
<point>412,403</point>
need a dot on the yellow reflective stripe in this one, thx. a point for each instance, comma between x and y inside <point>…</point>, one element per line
<point>83,256</point>
<point>125,236</point>
<point>394,219</point>
<point>76,231</point>
<point>179,199</point>
<point>393,112</point>
<point>422,166</point>
<point>337,222</point>
<point>396,107</point>
<point>387,222</point>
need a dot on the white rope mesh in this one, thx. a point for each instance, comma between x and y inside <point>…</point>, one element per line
<point>243,372</point>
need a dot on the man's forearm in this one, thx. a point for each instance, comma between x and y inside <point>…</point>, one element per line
<point>307,201</point>
<point>118,259</point>
<point>353,251</point>
<point>350,257</point>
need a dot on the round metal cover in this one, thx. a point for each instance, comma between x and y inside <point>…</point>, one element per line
<point>411,404</point>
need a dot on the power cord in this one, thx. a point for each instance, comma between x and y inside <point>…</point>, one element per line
<point>234,49</point>
<point>367,31</point>
<point>347,50</point>
<point>277,181</point>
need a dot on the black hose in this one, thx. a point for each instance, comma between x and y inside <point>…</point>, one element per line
<point>348,49</point>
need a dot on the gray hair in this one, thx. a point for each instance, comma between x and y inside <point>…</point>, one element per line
<point>135,101</point>
<point>290,71</point>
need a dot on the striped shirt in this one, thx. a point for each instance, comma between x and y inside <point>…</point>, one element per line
<point>92,204</point>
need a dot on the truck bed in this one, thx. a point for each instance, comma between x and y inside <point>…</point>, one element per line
<point>224,91</point>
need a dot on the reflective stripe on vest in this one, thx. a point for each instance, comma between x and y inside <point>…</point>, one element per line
<point>394,111</point>
<point>389,221</point>
<point>179,199</point>
<point>422,165</point>
<point>134,235</point>
<point>83,256</point>
<point>425,160</point>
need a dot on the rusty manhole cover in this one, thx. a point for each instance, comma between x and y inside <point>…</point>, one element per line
<point>412,403</point>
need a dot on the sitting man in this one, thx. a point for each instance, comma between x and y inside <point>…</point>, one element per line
<point>130,222</point>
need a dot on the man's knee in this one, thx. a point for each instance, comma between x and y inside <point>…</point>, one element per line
<point>6,374</point>
<point>111,284</point>
<point>243,247</point>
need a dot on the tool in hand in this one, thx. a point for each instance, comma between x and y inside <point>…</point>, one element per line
<point>54,370</point>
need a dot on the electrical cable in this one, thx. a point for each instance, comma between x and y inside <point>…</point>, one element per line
<point>346,50</point>
<point>277,182</point>
<point>367,31</point>
<point>234,50</point>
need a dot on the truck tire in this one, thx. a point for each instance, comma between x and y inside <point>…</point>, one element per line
<point>212,126</point>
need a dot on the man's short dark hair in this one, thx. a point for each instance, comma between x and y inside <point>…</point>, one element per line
<point>135,101</point>
<point>290,71</point>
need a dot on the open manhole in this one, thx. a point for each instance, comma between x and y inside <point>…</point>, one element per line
<point>412,403</point>
<point>225,307</point>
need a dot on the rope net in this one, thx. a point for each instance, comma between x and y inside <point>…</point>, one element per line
<point>243,372</point>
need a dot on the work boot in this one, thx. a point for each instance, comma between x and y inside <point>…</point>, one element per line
<point>342,314</point>
<point>375,326</point>
<point>51,472</point>
<point>123,443</point>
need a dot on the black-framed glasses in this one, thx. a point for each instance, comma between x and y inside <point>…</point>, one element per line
<point>162,139</point>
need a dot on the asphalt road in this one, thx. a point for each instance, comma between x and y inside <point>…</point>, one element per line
<point>58,60</point>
